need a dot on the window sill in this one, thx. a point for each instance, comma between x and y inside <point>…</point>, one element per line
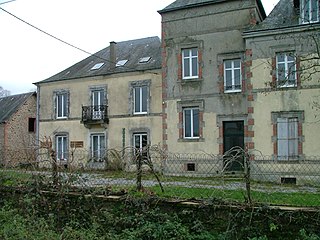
<point>190,80</point>
<point>191,139</point>
<point>232,91</point>
<point>140,114</point>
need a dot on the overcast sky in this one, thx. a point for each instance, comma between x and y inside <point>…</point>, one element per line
<point>28,55</point>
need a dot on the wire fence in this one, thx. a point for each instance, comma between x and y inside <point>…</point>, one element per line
<point>236,176</point>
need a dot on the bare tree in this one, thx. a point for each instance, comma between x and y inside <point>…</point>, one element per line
<point>3,92</point>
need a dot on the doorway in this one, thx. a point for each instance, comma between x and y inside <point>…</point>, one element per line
<point>233,136</point>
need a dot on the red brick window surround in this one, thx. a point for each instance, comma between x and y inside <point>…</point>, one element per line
<point>287,135</point>
<point>190,62</point>
<point>232,75</point>
<point>191,122</point>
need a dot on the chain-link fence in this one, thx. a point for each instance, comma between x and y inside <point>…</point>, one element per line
<point>235,176</point>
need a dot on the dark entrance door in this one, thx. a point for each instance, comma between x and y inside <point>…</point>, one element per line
<point>233,136</point>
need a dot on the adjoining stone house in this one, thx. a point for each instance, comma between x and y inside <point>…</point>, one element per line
<point>204,73</point>
<point>110,100</point>
<point>284,88</point>
<point>234,77</point>
<point>18,129</point>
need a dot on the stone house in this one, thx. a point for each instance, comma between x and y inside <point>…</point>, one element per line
<point>204,73</point>
<point>110,100</point>
<point>18,129</point>
<point>234,77</point>
<point>283,84</point>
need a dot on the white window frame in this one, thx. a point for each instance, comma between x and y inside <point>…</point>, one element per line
<point>97,109</point>
<point>140,135</point>
<point>142,151</point>
<point>62,152</point>
<point>309,3</point>
<point>192,132</point>
<point>287,138</point>
<point>101,148</point>
<point>189,58</point>
<point>140,99</point>
<point>287,69</point>
<point>233,70</point>
<point>62,101</point>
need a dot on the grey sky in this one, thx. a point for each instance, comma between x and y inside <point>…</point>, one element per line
<point>27,55</point>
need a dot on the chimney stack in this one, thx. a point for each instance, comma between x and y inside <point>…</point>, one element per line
<point>113,55</point>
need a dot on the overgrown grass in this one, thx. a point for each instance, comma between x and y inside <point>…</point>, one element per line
<point>211,188</point>
<point>301,199</point>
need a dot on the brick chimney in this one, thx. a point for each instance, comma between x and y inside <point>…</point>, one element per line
<point>113,55</point>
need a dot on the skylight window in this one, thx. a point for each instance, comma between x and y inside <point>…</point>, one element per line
<point>144,59</point>
<point>97,66</point>
<point>121,63</point>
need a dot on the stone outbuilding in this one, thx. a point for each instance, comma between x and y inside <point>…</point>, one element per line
<point>18,128</point>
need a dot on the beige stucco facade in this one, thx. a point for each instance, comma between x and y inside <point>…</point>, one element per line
<point>213,31</point>
<point>122,123</point>
<point>301,98</point>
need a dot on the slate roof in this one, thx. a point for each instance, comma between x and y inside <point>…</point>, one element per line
<point>184,4</point>
<point>9,105</point>
<point>132,50</point>
<point>284,14</point>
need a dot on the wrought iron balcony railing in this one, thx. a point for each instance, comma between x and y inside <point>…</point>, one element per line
<point>95,114</point>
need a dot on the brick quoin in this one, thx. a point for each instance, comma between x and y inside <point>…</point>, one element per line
<point>221,148</point>
<point>249,52</point>
<point>250,145</point>
<point>300,149</point>
<point>248,63</point>
<point>180,132</point>
<point>250,121</point>
<point>164,116</point>
<point>165,147</point>
<point>250,109</point>
<point>164,126</point>
<point>165,137</point>
<point>250,98</point>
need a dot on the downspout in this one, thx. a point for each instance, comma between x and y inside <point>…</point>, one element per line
<point>37,122</point>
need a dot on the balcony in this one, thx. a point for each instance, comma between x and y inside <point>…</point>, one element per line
<point>93,115</point>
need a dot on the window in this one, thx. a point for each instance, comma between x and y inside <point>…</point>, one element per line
<point>190,63</point>
<point>32,124</point>
<point>309,11</point>
<point>62,147</point>
<point>286,70</point>
<point>287,138</point>
<point>121,63</point>
<point>98,102</point>
<point>140,141</point>
<point>97,66</point>
<point>287,135</point>
<point>140,98</point>
<point>191,122</point>
<point>232,75</point>
<point>62,105</point>
<point>98,146</point>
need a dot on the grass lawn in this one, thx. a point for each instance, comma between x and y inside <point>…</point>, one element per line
<point>225,189</point>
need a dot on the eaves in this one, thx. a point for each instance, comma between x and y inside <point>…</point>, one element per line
<point>281,30</point>
<point>199,4</point>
